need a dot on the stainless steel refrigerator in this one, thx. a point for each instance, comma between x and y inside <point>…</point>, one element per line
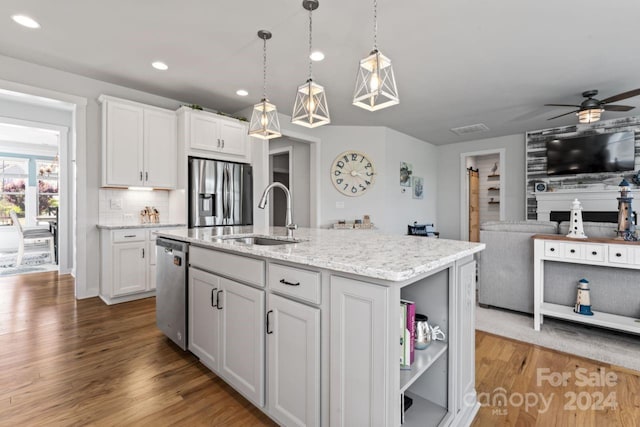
<point>220,193</point>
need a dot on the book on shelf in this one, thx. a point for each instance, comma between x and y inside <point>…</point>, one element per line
<point>404,338</point>
<point>411,326</point>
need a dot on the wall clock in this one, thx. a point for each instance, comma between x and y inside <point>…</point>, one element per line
<point>352,173</point>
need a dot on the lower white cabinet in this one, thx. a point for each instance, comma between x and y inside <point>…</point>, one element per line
<point>226,331</point>
<point>127,264</point>
<point>204,318</point>
<point>293,343</point>
<point>130,268</point>
<point>242,338</point>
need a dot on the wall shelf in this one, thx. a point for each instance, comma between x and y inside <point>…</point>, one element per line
<point>494,176</point>
<point>493,188</point>
<point>494,203</point>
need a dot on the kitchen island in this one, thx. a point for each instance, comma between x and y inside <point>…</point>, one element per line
<point>309,330</point>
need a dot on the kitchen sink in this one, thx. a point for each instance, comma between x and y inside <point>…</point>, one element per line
<point>261,241</point>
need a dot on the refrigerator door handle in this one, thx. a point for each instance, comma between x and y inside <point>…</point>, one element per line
<point>225,191</point>
<point>228,192</point>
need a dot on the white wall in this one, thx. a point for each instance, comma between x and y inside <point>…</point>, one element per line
<point>60,81</point>
<point>449,176</point>
<point>403,209</point>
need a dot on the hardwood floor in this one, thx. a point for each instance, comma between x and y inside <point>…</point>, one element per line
<point>67,362</point>
<point>562,389</point>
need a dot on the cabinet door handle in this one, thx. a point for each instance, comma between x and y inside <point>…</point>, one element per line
<point>223,143</point>
<point>218,142</point>
<point>142,252</point>
<point>268,331</point>
<point>140,175</point>
<point>146,176</point>
<point>212,294</point>
<point>218,306</point>
<point>284,282</point>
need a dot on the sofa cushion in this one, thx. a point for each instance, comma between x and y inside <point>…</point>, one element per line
<point>543,227</point>
<point>592,229</point>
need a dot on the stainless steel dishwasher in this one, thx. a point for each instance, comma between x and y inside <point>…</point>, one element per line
<point>171,289</point>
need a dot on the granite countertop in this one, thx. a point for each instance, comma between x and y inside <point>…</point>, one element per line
<point>126,226</point>
<point>368,253</point>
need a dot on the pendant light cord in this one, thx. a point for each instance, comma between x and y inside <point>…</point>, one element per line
<point>264,69</point>
<point>375,24</point>
<point>310,43</point>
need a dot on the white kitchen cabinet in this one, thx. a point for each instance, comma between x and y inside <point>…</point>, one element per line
<point>127,264</point>
<point>204,317</point>
<point>293,343</point>
<point>210,135</point>
<point>365,353</point>
<point>360,347</point>
<point>130,268</point>
<point>139,145</point>
<point>242,338</point>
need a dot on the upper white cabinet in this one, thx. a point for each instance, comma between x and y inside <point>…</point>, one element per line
<point>139,145</point>
<point>211,135</point>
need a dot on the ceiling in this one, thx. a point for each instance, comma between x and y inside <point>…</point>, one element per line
<point>457,62</point>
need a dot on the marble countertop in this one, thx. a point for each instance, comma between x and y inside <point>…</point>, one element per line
<point>368,253</point>
<point>126,226</point>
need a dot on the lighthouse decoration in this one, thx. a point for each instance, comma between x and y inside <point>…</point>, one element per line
<point>583,300</point>
<point>577,229</point>
<point>626,229</point>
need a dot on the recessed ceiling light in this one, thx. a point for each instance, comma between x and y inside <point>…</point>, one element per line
<point>159,65</point>
<point>242,92</point>
<point>25,21</point>
<point>316,56</point>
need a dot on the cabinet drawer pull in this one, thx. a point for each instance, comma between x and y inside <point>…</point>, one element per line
<point>218,306</point>
<point>284,282</point>
<point>594,253</point>
<point>618,254</point>
<point>268,331</point>
<point>573,251</point>
<point>552,249</point>
<point>130,235</point>
<point>212,293</point>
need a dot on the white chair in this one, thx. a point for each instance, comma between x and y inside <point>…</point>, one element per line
<point>31,235</point>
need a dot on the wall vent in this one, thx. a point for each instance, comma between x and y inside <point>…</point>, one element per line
<point>465,130</point>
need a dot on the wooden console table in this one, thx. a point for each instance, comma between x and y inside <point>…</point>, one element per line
<point>595,251</point>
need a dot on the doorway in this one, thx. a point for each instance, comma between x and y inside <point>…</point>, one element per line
<point>290,164</point>
<point>33,197</point>
<point>483,187</point>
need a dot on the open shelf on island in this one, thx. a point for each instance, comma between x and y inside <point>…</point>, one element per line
<point>605,320</point>
<point>423,412</point>
<point>423,360</point>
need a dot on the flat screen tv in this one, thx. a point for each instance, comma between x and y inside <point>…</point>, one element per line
<point>610,152</point>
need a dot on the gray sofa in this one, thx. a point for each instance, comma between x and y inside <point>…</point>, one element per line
<point>506,270</point>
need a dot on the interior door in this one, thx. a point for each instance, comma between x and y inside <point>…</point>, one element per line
<point>474,205</point>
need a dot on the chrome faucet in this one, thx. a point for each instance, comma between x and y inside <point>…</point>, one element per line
<point>263,203</point>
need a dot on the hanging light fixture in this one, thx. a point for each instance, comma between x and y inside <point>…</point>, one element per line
<point>310,108</point>
<point>264,119</point>
<point>375,83</point>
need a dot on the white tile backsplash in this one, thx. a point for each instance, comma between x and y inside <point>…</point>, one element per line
<point>132,203</point>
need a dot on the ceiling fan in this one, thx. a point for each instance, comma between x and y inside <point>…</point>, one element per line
<point>591,108</point>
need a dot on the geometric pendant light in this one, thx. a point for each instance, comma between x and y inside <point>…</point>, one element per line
<point>310,108</point>
<point>264,119</point>
<point>375,83</point>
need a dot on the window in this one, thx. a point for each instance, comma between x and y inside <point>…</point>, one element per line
<point>14,176</point>
<point>47,188</point>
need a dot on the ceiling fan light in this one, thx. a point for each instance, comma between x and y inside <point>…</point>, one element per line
<point>310,108</point>
<point>375,83</point>
<point>591,115</point>
<point>264,121</point>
